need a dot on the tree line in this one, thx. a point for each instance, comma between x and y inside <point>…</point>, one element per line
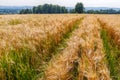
<point>49,8</point>
<point>107,11</point>
<point>46,8</point>
<point>79,8</point>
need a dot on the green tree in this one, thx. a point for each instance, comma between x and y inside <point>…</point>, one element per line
<point>79,8</point>
<point>39,9</point>
<point>45,9</point>
<point>72,11</point>
<point>34,9</point>
<point>26,11</point>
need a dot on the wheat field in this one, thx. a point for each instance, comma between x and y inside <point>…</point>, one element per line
<point>59,47</point>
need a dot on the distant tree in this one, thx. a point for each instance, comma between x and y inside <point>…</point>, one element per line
<point>22,11</point>
<point>45,9</point>
<point>40,9</point>
<point>79,8</point>
<point>34,9</point>
<point>72,11</point>
<point>26,11</point>
<point>91,11</point>
<point>64,10</point>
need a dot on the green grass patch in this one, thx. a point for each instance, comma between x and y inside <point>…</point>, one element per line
<point>18,65</point>
<point>75,71</point>
<point>112,55</point>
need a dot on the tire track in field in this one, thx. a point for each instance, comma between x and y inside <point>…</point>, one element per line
<point>111,45</point>
<point>60,67</point>
<point>85,48</point>
<point>63,43</point>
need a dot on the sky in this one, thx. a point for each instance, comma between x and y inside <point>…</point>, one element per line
<point>67,3</point>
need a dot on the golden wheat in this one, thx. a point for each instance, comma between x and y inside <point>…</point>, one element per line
<point>92,64</point>
<point>32,37</point>
<point>42,33</point>
<point>112,25</point>
<point>29,30</point>
<point>84,46</point>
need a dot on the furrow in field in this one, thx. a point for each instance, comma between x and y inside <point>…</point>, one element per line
<point>84,48</point>
<point>112,26</point>
<point>110,34</point>
<point>60,67</point>
<point>61,45</point>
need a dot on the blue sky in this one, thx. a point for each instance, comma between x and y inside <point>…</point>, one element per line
<point>68,3</point>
